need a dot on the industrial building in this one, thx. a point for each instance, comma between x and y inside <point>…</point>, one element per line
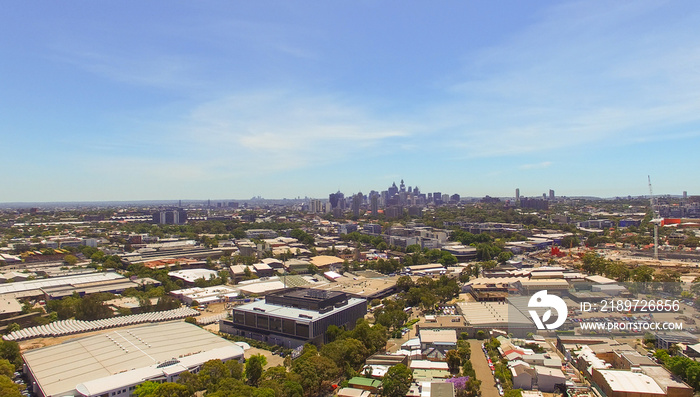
<point>294,318</point>
<point>58,287</point>
<point>114,363</point>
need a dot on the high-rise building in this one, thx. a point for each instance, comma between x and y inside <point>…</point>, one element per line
<point>334,198</point>
<point>685,195</point>
<point>415,211</point>
<point>402,188</point>
<point>374,200</point>
<point>394,212</point>
<point>170,217</point>
<point>356,203</point>
<point>517,194</point>
<point>551,194</point>
<point>315,206</point>
<point>437,198</point>
<point>538,204</point>
<point>393,190</point>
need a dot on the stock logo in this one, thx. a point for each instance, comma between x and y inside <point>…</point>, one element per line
<point>541,299</point>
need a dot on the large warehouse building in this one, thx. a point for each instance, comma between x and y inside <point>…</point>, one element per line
<point>294,318</point>
<point>114,363</point>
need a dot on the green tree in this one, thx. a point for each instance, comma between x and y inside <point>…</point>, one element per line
<point>235,369</point>
<point>212,372</point>
<point>9,350</point>
<point>70,260</point>
<point>453,361</point>
<point>169,389</point>
<point>504,256</point>
<point>397,381</point>
<point>9,388</point>
<point>292,388</point>
<point>254,369</point>
<point>513,393</point>
<point>404,283</point>
<point>346,351</point>
<point>190,381</point>
<point>642,274</point>
<point>146,389</point>
<point>92,307</point>
<point>6,368</point>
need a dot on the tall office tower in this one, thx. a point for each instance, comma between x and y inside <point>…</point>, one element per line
<point>551,194</point>
<point>437,198</point>
<point>375,204</point>
<point>685,195</point>
<point>445,198</point>
<point>517,194</point>
<point>430,197</point>
<point>335,199</point>
<point>402,188</point>
<point>170,217</point>
<point>403,198</point>
<point>393,190</point>
<point>356,202</point>
<point>315,206</point>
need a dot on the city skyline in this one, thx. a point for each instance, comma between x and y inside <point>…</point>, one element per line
<point>108,103</point>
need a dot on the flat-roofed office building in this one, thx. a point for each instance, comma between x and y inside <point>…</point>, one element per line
<point>294,318</point>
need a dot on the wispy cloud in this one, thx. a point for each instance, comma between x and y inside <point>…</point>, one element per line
<point>578,77</point>
<point>280,130</point>
<point>544,164</point>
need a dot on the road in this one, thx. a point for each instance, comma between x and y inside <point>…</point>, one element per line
<point>483,372</point>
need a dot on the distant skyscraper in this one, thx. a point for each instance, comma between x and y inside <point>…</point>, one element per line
<point>551,194</point>
<point>685,195</point>
<point>333,198</point>
<point>374,200</point>
<point>394,212</point>
<point>517,194</point>
<point>356,202</point>
<point>170,217</point>
<point>315,206</point>
<point>393,190</point>
<point>402,187</point>
<point>437,198</point>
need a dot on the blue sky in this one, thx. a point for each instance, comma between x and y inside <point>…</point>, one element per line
<point>194,100</point>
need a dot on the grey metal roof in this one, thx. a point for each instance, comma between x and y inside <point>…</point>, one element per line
<point>61,368</point>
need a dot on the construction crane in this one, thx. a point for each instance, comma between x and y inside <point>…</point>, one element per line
<point>655,219</point>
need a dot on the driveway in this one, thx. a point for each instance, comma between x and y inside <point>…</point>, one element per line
<point>483,372</point>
